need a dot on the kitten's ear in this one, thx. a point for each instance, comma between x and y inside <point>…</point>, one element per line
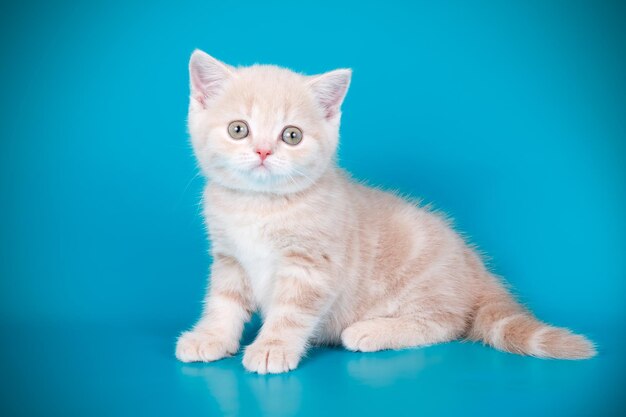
<point>330,89</point>
<point>207,76</point>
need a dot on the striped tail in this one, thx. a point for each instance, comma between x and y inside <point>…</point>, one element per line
<point>504,324</point>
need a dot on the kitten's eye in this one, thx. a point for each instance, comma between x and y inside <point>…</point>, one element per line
<point>292,135</point>
<point>238,129</point>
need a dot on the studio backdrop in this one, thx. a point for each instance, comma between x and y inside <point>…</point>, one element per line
<point>510,117</point>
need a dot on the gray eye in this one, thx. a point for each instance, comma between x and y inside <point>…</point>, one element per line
<point>238,129</point>
<point>292,135</point>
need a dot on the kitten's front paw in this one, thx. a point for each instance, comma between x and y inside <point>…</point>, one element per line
<point>196,346</point>
<point>271,357</point>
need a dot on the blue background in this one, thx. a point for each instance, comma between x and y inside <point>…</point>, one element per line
<point>509,116</point>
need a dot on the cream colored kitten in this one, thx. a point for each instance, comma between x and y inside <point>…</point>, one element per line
<point>324,259</point>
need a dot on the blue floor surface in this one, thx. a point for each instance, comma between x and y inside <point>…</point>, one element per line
<point>130,370</point>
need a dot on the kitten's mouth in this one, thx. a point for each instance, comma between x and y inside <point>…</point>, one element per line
<point>261,171</point>
<point>264,172</point>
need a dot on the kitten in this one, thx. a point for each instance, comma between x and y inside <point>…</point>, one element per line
<point>323,259</point>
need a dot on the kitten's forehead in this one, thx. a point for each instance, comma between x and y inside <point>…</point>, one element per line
<point>266,89</point>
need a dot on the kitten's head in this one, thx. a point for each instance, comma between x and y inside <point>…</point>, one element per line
<point>263,128</point>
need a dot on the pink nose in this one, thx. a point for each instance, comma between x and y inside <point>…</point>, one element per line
<point>263,153</point>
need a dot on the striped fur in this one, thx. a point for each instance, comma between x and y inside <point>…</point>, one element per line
<point>502,323</point>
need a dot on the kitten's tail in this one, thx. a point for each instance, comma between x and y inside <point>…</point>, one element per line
<point>503,323</point>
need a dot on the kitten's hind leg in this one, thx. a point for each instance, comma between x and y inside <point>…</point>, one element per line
<point>398,333</point>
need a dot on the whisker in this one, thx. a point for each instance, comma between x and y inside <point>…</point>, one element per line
<point>180,198</point>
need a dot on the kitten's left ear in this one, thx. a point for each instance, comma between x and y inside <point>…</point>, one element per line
<point>330,89</point>
<point>207,76</point>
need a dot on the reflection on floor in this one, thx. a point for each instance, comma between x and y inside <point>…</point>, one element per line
<point>119,370</point>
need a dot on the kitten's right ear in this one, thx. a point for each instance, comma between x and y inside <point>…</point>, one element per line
<point>207,76</point>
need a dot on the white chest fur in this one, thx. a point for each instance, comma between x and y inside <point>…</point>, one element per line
<point>255,253</point>
<point>245,238</point>
<point>256,230</point>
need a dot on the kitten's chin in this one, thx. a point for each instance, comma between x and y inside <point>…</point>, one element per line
<point>261,179</point>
